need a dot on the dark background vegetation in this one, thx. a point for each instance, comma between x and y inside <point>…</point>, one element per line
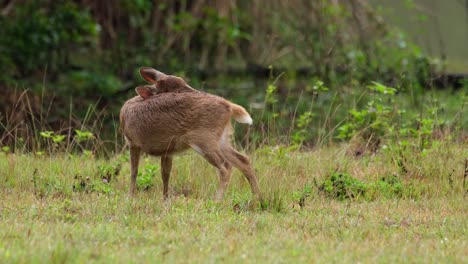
<point>298,66</point>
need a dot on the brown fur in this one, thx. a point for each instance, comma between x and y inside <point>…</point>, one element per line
<point>165,124</point>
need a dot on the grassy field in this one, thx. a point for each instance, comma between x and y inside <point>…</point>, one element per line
<point>75,209</point>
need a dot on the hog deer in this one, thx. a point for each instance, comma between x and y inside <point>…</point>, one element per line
<point>169,117</point>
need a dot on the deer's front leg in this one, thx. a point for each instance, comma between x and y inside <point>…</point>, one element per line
<point>134,161</point>
<point>166,166</point>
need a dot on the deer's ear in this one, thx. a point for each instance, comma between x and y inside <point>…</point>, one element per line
<point>151,75</point>
<point>144,91</point>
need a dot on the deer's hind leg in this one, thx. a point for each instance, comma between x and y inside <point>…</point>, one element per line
<point>242,163</point>
<point>214,156</point>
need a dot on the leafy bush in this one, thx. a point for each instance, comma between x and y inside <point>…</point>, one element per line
<point>375,119</point>
<point>89,83</point>
<point>389,186</point>
<point>45,185</point>
<point>89,185</point>
<point>109,172</point>
<point>37,39</point>
<point>343,186</point>
<point>145,179</point>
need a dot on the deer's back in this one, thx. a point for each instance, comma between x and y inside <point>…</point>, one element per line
<point>166,123</point>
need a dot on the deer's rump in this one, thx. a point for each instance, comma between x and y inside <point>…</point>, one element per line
<point>166,123</point>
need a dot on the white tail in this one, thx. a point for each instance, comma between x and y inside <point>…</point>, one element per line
<point>240,115</point>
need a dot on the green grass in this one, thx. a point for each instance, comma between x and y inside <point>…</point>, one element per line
<point>57,209</point>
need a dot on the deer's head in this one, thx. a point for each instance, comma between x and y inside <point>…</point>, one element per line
<point>161,83</point>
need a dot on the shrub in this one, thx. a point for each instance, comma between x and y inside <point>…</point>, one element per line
<point>343,186</point>
<point>145,179</point>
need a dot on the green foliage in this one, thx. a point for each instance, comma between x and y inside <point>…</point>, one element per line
<point>80,44</point>
<point>385,117</point>
<point>89,84</point>
<point>343,186</point>
<point>146,175</point>
<point>279,155</point>
<point>54,141</point>
<point>90,185</point>
<point>389,186</point>
<point>51,135</point>
<point>375,119</point>
<point>46,185</point>
<point>78,50</point>
<point>275,202</point>
<point>303,123</point>
<point>103,180</point>
<point>109,172</point>
<point>319,86</point>
<point>301,134</point>
<point>301,196</point>
<point>5,149</point>
<point>35,38</point>
<point>270,97</point>
<point>82,136</point>
<point>85,140</point>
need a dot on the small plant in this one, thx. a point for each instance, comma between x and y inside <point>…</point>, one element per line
<point>301,196</point>
<point>270,96</point>
<point>89,185</point>
<point>80,183</point>
<point>53,140</point>
<point>343,186</point>
<point>241,202</point>
<point>82,136</point>
<point>389,186</point>
<point>274,202</point>
<point>279,154</point>
<point>145,179</point>
<point>109,171</point>
<point>44,186</point>
<point>302,133</point>
<point>5,149</point>
<point>54,137</point>
<point>374,120</point>
<point>318,87</point>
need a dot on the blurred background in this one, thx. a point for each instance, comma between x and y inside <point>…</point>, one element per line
<point>301,67</point>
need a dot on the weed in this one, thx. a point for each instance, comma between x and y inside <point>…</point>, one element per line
<point>343,186</point>
<point>44,186</point>
<point>374,120</point>
<point>5,149</point>
<point>274,202</point>
<point>81,184</point>
<point>301,134</point>
<point>301,196</point>
<point>89,185</point>
<point>108,172</point>
<point>82,136</point>
<point>389,186</point>
<point>53,141</point>
<point>146,175</point>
